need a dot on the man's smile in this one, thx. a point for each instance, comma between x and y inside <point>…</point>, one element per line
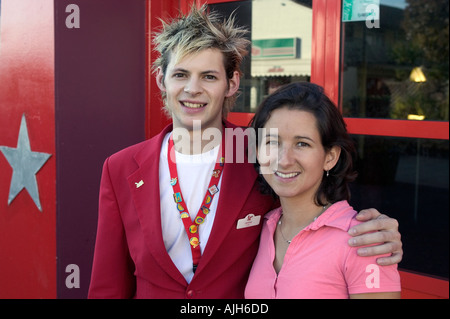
<point>193,105</point>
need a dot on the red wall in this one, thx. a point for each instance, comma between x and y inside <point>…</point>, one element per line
<point>83,93</point>
<point>27,235</point>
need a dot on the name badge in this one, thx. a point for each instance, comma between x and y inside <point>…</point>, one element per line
<point>248,221</point>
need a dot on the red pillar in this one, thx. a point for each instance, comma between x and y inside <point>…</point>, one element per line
<point>27,233</point>
<point>77,93</point>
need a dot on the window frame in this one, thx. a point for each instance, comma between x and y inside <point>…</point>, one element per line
<point>326,70</point>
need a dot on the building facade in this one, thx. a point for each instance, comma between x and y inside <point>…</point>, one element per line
<point>76,86</point>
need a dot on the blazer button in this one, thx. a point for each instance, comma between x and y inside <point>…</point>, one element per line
<point>190,293</point>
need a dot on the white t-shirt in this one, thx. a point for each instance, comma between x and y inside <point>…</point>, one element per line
<point>194,175</point>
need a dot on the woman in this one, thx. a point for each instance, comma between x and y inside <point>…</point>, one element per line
<point>305,159</point>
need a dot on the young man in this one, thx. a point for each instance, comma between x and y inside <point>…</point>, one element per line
<point>176,220</point>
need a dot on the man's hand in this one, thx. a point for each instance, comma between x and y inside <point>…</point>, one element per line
<point>377,229</point>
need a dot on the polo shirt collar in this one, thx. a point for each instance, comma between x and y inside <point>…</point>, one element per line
<point>337,216</point>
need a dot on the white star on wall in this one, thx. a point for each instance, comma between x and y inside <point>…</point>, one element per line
<point>25,164</point>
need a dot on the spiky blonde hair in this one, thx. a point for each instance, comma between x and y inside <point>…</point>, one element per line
<point>197,31</point>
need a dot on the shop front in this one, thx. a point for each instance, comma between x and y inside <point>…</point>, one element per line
<point>76,86</point>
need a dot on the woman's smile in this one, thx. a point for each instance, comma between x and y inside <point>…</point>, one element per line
<point>286,175</point>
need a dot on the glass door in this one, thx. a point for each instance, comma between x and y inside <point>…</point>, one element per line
<point>394,97</point>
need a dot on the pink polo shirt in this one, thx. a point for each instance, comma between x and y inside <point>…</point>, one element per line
<point>319,263</point>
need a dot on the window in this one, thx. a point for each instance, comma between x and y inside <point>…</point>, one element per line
<point>394,73</point>
<point>398,68</point>
<point>281,35</point>
<point>408,179</point>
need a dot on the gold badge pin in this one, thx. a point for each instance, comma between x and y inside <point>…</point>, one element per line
<point>194,242</point>
<point>193,229</point>
<point>199,220</point>
<point>139,184</point>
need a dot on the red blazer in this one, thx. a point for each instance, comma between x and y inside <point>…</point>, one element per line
<point>130,260</point>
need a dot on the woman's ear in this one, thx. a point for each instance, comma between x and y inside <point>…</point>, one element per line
<point>332,158</point>
<point>160,79</point>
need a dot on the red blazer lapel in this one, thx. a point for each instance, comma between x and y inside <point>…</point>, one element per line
<point>144,188</point>
<point>231,200</point>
